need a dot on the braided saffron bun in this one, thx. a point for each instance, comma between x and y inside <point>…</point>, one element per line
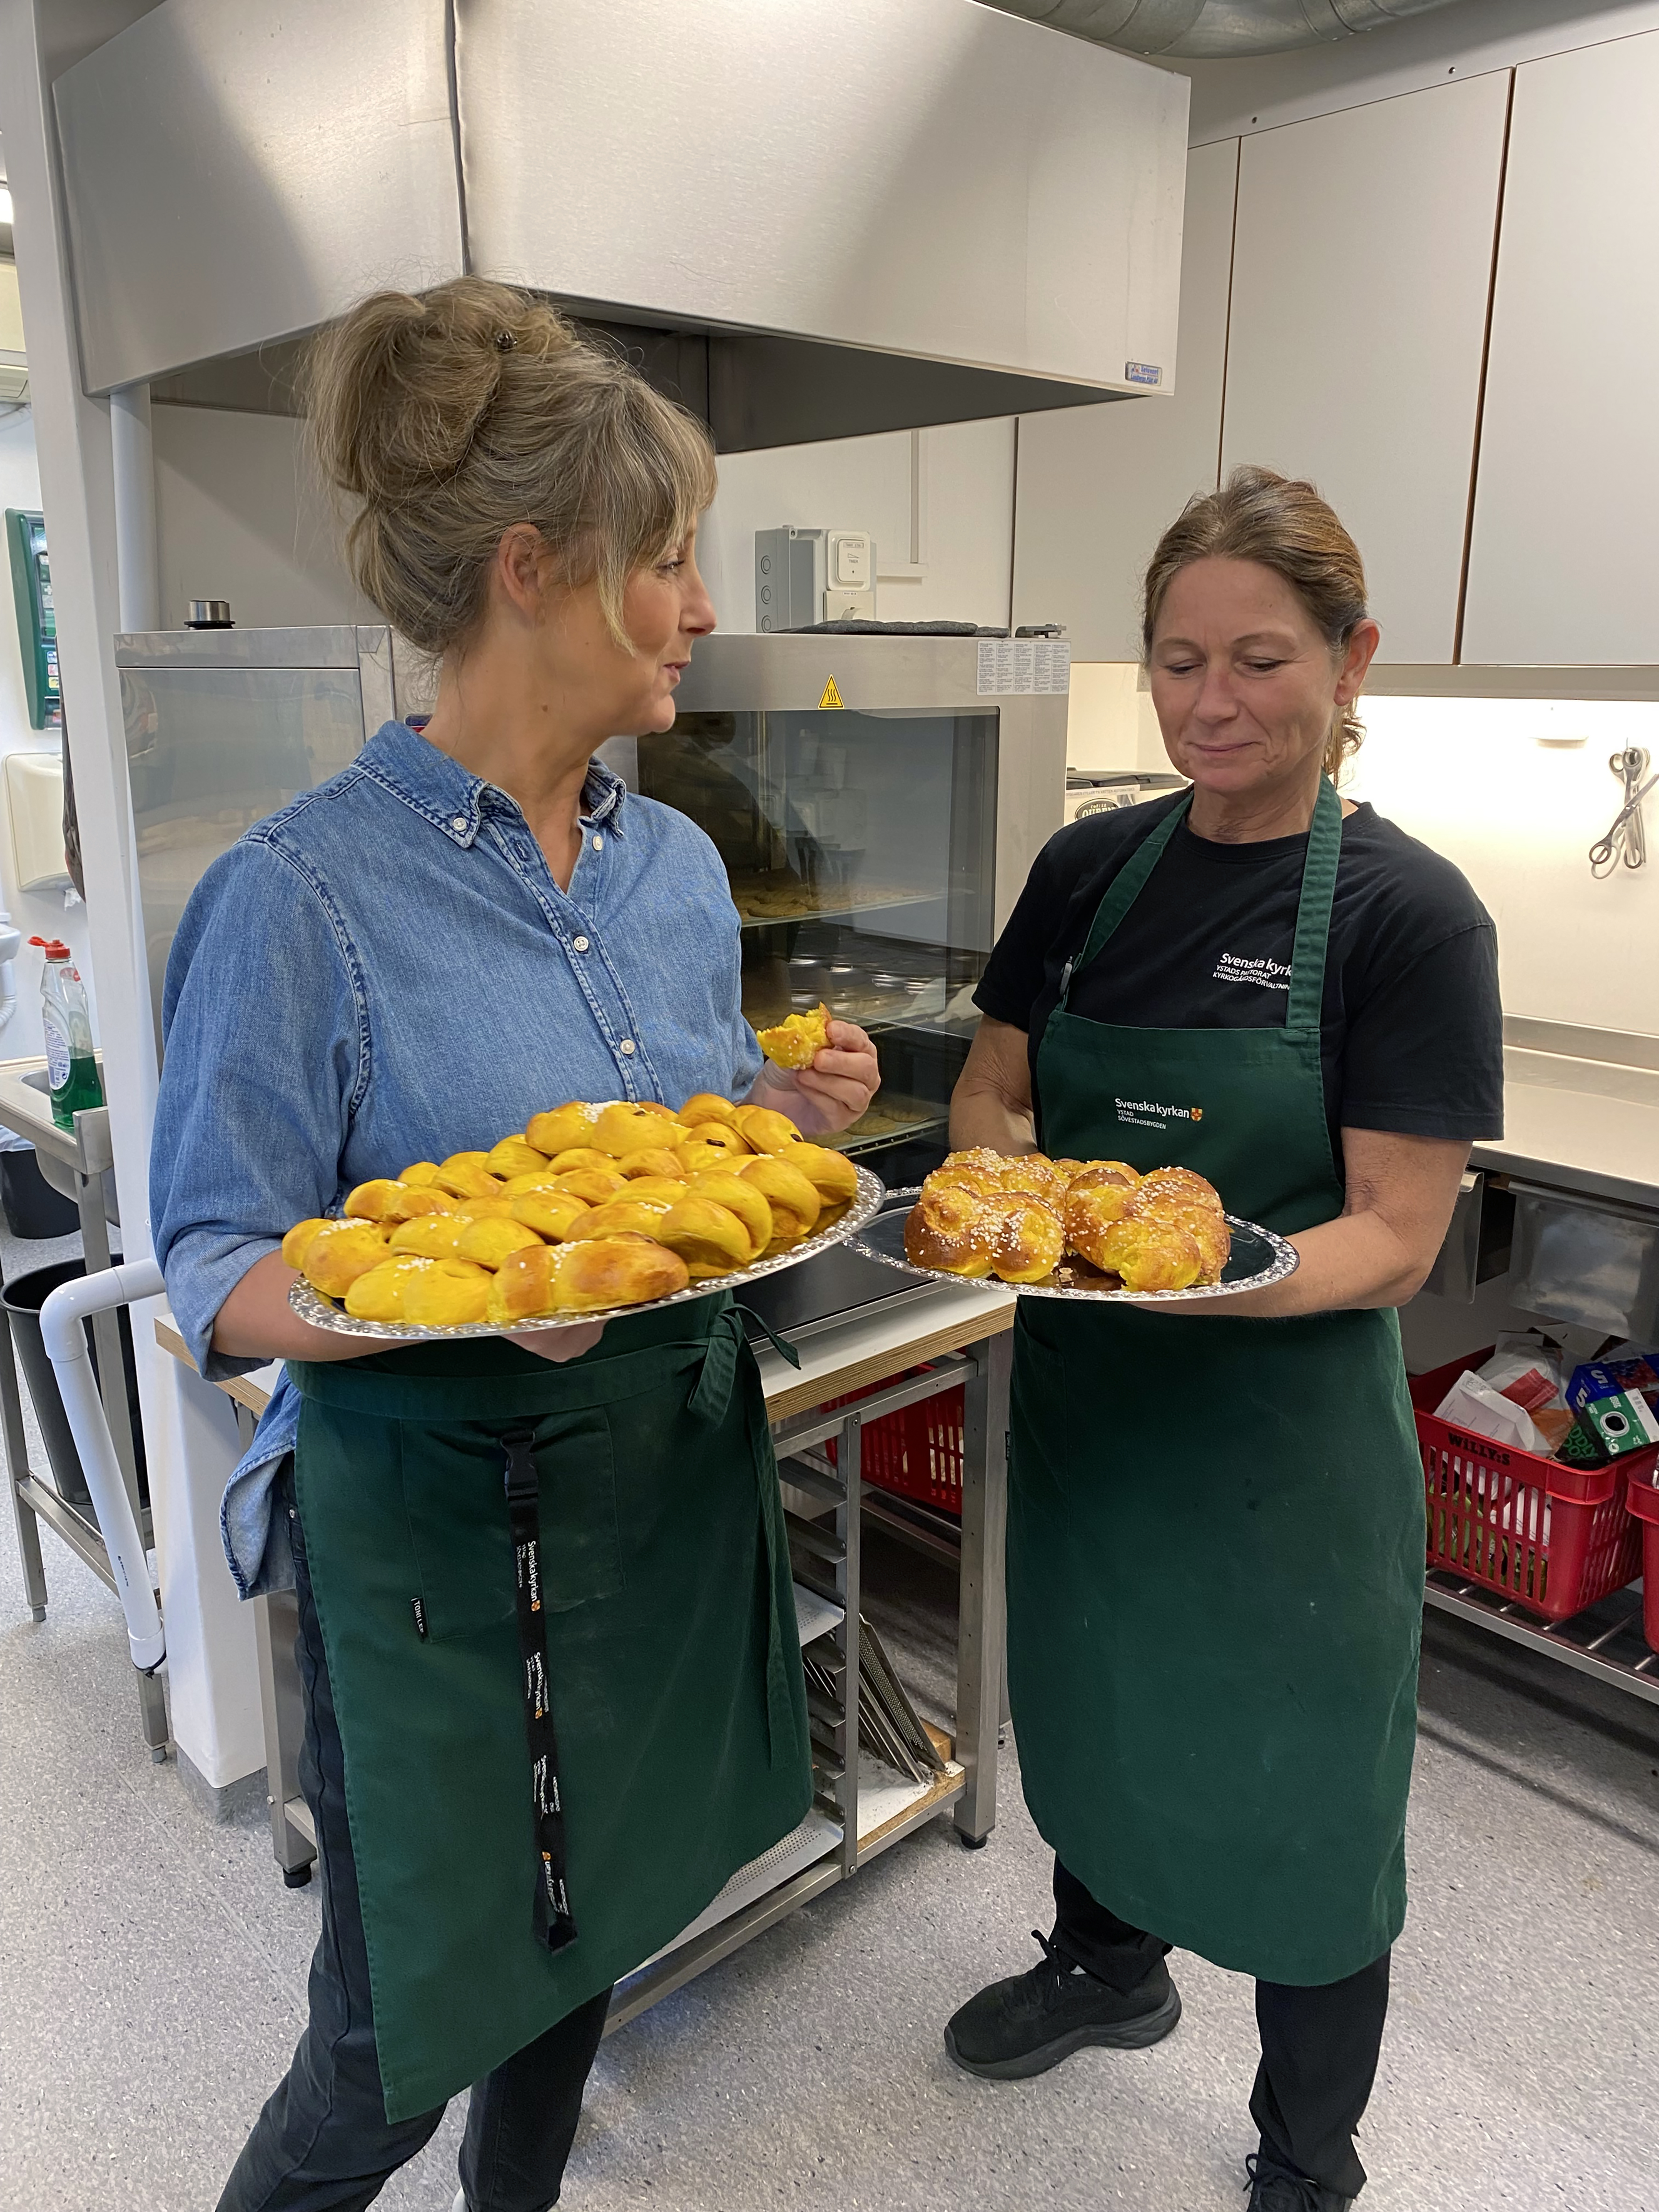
<point>952,1230</point>
<point>1018,1219</point>
<point>1028,1242</point>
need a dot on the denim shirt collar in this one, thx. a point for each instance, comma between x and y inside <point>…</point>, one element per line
<point>453,800</point>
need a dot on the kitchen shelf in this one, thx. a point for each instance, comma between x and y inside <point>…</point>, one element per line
<point>892,1119</point>
<point>1604,1642</point>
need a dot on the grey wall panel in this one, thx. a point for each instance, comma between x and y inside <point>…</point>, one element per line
<point>237,174</point>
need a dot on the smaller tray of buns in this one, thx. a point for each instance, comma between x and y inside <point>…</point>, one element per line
<point>1074,1229</point>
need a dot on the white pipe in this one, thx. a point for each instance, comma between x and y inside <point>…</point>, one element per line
<point>136,566</point>
<point>65,1339</point>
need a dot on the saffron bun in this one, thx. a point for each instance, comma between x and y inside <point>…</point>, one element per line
<point>625,1128</point>
<point>298,1237</point>
<point>1180,1183</point>
<point>1206,1224</point>
<point>1088,1213</point>
<point>488,1241</point>
<point>464,1175</point>
<point>615,1271</point>
<point>742,1198</point>
<point>792,1198</point>
<point>618,1217</point>
<point>378,1295</point>
<point>552,1213</point>
<point>582,1156</point>
<point>708,1237</point>
<point>649,1160</point>
<point>340,1251</point>
<point>830,1173</point>
<point>430,1236</point>
<point>797,1039</point>
<point>766,1129</point>
<point>449,1294</point>
<point>593,1185</point>
<point>512,1156</point>
<point>563,1126</point>
<point>1152,1255</point>
<point>385,1199</point>
<point>707,1106</point>
<point>1028,1242</point>
<point>952,1230</point>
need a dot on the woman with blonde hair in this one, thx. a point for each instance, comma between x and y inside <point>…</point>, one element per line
<point>513,1806</point>
<point>1215,1547</point>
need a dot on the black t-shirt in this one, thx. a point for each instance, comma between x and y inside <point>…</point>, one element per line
<point>1413,1030</point>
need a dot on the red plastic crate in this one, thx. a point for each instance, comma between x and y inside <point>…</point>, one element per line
<point>1553,1539</point>
<point>1643,1499</point>
<point>915,1452</point>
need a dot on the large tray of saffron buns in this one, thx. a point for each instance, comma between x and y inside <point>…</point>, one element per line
<point>597,1208</point>
<point>1078,1229</point>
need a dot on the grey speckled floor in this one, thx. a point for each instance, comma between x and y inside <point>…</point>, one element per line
<point>152,1970</point>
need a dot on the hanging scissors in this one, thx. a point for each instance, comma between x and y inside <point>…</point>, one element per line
<point>1627,838</point>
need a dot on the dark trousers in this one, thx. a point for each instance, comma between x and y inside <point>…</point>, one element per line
<point>323,2143</point>
<point>1319,2046</point>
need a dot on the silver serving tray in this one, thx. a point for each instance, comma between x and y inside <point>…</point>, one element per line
<point>1258,1257</point>
<point>323,1313</point>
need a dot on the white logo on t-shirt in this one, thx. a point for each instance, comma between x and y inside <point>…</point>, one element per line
<point>1270,975</point>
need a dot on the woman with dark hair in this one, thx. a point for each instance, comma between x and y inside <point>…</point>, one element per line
<point>1215,1548</point>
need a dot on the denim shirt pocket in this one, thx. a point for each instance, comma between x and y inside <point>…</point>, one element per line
<point>457,1523</point>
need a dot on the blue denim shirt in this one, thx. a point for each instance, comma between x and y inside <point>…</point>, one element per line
<point>385,971</point>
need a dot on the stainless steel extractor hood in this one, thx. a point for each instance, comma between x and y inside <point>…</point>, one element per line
<point>813,217</point>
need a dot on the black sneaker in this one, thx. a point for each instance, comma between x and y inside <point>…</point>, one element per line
<point>1029,2023</point>
<point>1275,2188</point>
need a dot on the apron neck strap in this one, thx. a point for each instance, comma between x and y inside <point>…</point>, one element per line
<point>1122,891</point>
<point>1313,913</point>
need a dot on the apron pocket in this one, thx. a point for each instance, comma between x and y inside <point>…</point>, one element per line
<point>453,1495</point>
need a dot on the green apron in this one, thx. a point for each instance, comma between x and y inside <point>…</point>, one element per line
<point>1215,1543</point>
<point>673,1665</point>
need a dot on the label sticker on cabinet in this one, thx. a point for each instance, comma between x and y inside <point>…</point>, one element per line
<point>1025,664</point>
<point>1142,372</point>
<point>831,696</point>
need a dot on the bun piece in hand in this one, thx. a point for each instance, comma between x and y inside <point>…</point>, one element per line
<point>797,1039</point>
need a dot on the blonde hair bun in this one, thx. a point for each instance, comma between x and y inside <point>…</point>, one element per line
<point>449,417</point>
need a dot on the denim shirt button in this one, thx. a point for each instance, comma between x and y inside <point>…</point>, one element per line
<point>580,944</point>
<point>458,824</point>
<point>626,1048</point>
<point>599,842</point>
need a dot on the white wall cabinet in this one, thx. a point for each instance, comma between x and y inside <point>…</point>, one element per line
<point>1361,272</point>
<point>1098,485</point>
<point>1564,561</point>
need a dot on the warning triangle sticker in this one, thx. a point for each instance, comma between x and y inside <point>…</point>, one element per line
<point>831,696</point>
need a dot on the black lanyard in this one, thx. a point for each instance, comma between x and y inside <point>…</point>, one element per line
<point>552,1919</point>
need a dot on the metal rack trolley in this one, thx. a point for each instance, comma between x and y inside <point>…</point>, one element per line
<point>78,1163</point>
<point>964,1339</point>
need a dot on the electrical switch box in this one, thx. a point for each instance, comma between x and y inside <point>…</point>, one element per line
<point>35,807</point>
<point>808,576</point>
<point>37,620</point>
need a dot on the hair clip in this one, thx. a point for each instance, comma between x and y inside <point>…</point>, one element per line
<point>505,341</point>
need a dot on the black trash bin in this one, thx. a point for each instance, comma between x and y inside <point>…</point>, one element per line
<point>23,1299</point>
<point>32,1207</point>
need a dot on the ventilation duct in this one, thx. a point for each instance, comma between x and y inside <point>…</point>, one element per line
<point>1214,30</point>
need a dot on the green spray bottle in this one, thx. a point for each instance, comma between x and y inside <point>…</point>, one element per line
<point>71,1068</point>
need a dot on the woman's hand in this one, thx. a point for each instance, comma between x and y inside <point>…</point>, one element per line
<point>558,1344</point>
<point>830,1094</point>
<point>1379,1249</point>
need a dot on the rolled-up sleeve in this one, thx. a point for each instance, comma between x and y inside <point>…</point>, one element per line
<point>266,1056</point>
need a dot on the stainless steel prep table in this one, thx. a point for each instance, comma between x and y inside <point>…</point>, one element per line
<point>79,1164</point>
<point>964,1337</point>
<point>1581,1112</point>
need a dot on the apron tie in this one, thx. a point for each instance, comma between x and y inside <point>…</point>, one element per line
<point>551,1916</point>
<point>719,1366</point>
<point>727,1344</point>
